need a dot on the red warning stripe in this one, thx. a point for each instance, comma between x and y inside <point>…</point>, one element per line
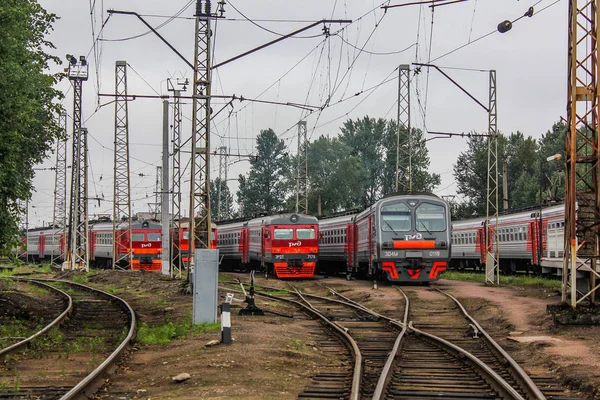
<point>414,244</point>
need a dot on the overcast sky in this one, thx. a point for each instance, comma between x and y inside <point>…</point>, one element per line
<point>360,57</point>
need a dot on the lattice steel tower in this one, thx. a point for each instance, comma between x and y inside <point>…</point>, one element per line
<point>223,159</point>
<point>582,200</point>
<point>158,188</point>
<point>200,158</point>
<point>302,170</point>
<point>176,266</point>
<point>122,184</point>
<point>78,251</point>
<point>492,254</point>
<point>403,137</point>
<point>59,216</point>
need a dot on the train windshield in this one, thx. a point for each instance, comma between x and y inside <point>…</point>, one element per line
<point>137,237</point>
<point>430,218</point>
<point>305,233</point>
<point>283,234</point>
<point>154,237</point>
<point>396,218</point>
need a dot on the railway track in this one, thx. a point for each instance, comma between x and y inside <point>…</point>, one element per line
<point>68,358</point>
<point>446,354</point>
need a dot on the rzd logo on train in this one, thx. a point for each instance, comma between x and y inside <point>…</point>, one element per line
<point>295,244</point>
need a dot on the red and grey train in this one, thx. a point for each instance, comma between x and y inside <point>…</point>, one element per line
<point>401,238</point>
<point>521,247</point>
<point>180,240</point>
<point>285,244</point>
<point>144,244</point>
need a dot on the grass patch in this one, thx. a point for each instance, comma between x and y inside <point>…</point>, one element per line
<point>297,345</point>
<point>85,344</point>
<point>277,292</point>
<point>225,278</point>
<point>160,302</point>
<point>15,328</point>
<point>164,333</point>
<point>44,268</point>
<point>81,279</point>
<point>505,280</point>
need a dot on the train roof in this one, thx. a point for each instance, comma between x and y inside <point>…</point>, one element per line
<point>551,211</point>
<point>287,218</point>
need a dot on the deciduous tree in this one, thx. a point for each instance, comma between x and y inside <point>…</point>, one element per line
<point>28,106</point>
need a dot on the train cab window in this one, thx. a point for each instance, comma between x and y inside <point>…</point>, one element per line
<point>186,235</point>
<point>137,237</point>
<point>305,233</point>
<point>154,237</point>
<point>396,217</point>
<point>430,217</point>
<point>283,234</point>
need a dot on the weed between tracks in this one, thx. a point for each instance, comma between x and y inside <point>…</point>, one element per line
<point>506,280</point>
<point>164,333</point>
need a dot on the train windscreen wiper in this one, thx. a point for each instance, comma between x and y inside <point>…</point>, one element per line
<point>428,231</point>
<point>388,224</point>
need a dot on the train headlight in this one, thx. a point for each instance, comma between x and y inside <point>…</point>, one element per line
<point>387,245</point>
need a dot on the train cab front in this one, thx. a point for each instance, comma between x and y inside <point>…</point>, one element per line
<point>414,240</point>
<point>294,250</point>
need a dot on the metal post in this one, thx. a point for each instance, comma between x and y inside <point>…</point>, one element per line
<point>122,253</point>
<point>302,170</point>
<point>155,208</point>
<point>164,192</point>
<point>222,180</point>
<point>492,258</point>
<point>200,223</point>
<point>582,197</point>
<point>404,145</point>
<point>59,216</point>
<point>77,257</point>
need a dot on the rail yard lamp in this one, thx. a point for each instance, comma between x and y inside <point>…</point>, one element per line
<point>540,251</point>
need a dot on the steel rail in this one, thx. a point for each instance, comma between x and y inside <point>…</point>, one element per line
<point>505,390</point>
<point>526,383</point>
<point>385,376</point>
<point>503,387</point>
<point>357,374</point>
<point>52,324</point>
<point>80,388</point>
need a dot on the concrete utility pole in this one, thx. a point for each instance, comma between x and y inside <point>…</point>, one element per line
<point>164,192</point>
<point>59,216</point>
<point>200,223</point>
<point>404,147</point>
<point>302,169</point>
<point>122,182</point>
<point>582,197</point>
<point>223,158</point>
<point>492,253</point>
<point>78,250</point>
<point>155,208</point>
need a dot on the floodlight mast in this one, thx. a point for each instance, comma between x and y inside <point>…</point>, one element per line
<point>78,251</point>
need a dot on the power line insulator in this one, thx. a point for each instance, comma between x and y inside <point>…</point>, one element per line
<point>504,26</point>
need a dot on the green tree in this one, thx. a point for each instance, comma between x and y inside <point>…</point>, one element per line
<point>551,143</point>
<point>28,105</point>
<point>365,138</point>
<point>265,189</point>
<point>520,153</point>
<point>422,180</point>
<point>226,201</point>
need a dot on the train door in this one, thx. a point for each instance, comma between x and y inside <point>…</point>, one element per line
<point>41,246</point>
<point>349,247</point>
<point>533,242</point>
<point>263,243</point>
<point>92,244</point>
<point>372,239</point>
<point>244,245</point>
<point>480,246</point>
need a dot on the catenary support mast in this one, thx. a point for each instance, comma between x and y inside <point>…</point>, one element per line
<point>78,251</point>
<point>492,255</point>
<point>200,161</point>
<point>59,216</point>
<point>403,136</point>
<point>122,185</point>
<point>582,200</point>
<point>302,170</point>
<point>176,267</point>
